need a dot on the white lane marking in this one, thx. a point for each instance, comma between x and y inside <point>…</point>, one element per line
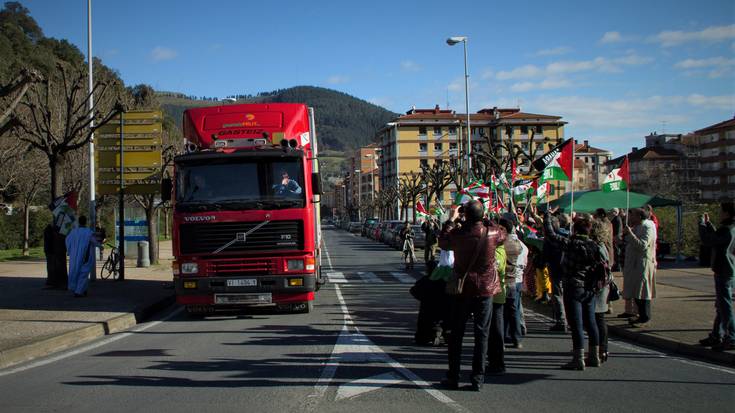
<point>403,277</point>
<point>369,277</point>
<point>366,350</point>
<point>92,346</point>
<point>362,386</point>
<point>649,352</point>
<point>326,251</point>
<point>337,277</point>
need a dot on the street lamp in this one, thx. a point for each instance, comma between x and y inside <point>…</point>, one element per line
<point>452,41</point>
<point>359,194</point>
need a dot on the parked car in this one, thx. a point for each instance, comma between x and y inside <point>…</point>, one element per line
<point>388,235</point>
<point>378,232</point>
<point>367,223</point>
<point>419,241</point>
<point>354,227</point>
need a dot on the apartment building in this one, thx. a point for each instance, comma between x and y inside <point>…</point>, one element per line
<point>717,161</point>
<point>426,136</point>
<point>589,166</point>
<point>364,176</point>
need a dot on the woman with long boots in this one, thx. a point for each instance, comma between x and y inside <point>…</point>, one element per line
<point>602,236</point>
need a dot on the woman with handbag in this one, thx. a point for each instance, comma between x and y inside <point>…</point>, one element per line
<point>601,234</point>
<point>473,283</point>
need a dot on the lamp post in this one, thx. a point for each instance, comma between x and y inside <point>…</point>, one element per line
<point>359,193</point>
<point>452,41</point>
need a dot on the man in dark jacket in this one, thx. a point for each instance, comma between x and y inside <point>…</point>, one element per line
<point>722,241</point>
<point>552,256</point>
<point>54,248</point>
<point>474,255</point>
<point>617,232</point>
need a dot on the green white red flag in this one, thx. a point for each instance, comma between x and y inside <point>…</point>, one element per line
<point>618,179</point>
<point>542,189</point>
<point>421,210</point>
<point>557,164</point>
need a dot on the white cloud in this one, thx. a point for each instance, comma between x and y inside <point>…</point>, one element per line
<point>546,84</point>
<point>612,37</point>
<point>703,63</point>
<point>487,74</point>
<point>520,73</point>
<point>456,85</point>
<point>160,53</point>
<point>337,79</point>
<point>723,102</point>
<point>601,64</point>
<point>555,51</point>
<point>670,38</point>
<point>410,66</point>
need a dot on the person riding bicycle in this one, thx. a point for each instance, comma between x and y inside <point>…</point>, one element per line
<point>407,236</point>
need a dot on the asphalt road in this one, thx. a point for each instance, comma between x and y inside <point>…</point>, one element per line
<point>353,353</point>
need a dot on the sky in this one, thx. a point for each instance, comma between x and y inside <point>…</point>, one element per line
<point>615,71</point>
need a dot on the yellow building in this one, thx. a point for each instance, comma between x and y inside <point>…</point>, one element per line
<point>425,136</point>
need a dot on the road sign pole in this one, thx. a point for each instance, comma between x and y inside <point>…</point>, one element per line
<point>121,214</point>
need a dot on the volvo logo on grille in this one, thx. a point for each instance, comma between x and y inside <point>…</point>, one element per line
<point>285,236</point>
<point>241,236</point>
<point>200,218</point>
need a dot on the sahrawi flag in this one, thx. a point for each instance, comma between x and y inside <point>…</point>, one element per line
<point>520,191</point>
<point>421,210</point>
<point>542,189</point>
<point>618,179</point>
<point>556,165</point>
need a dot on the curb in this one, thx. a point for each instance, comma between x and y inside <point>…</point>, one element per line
<point>16,355</point>
<point>653,340</point>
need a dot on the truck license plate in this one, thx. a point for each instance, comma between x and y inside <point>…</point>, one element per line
<point>263,298</point>
<point>247,282</point>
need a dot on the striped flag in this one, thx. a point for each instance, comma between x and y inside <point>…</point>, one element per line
<point>556,165</point>
<point>618,179</point>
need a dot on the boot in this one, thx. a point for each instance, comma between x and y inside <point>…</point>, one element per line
<point>594,356</point>
<point>603,355</point>
<point>577,362</point>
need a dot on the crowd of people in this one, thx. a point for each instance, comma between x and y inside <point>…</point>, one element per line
<point>479,265</point>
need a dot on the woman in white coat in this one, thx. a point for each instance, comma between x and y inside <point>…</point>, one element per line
<point>639,270</point>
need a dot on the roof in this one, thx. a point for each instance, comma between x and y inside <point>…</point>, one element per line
<point>730,123</point>
<point>586,148</point>
<point>649,153</point>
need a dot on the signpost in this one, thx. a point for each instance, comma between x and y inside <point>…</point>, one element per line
<point>128,160</point>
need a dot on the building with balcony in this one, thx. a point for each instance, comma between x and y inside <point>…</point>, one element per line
<point>590,166</point>
<point>717,161</point>
<point>364,176</point>
<point>426,136</point>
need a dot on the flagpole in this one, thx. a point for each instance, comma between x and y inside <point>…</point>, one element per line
<point>571,214</point>
<point>627,193</point>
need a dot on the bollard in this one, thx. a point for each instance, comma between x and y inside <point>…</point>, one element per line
<point>143,258</point>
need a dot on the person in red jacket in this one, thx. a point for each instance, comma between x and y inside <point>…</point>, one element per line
<point>474,254</point>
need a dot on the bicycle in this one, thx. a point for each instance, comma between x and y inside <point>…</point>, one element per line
<point>111,268</point>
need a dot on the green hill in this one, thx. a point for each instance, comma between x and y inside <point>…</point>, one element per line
<point>343,122</point>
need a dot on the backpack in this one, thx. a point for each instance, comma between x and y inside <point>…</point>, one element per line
<point>601,275</point>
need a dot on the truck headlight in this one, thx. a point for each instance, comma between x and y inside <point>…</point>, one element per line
<point>189,268</point>
<point>294,265</point>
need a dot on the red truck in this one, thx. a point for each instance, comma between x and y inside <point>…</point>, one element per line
<point>246,226</point>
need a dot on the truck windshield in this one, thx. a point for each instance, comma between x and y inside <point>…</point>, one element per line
<point>240,184</point>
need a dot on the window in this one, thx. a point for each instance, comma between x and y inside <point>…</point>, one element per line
<point>422,130</point>
<point>437,131</point>
<point>524,130</point>
<point>422,147</point>
<point>509,130</point>
<point>424,163</point>
<point>453,146</point>
<point>481,131</point>
<point>494,133</point>
<point>539,129</point>
<point>438,147</point>
<point>452,130</point>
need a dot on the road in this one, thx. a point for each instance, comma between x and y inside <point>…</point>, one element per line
<point>353,353</point>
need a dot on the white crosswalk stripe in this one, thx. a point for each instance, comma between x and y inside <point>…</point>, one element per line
<point>403,277</point>
<point>369,277</point>
<point>337,278</point>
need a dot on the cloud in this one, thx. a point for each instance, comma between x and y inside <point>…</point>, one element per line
<point>487,74</point>
<point>160,54</point>
<point>704,63</point>
<point>546,84</point>
<point>456,85</point>
<point>410,66</point>
<point>612,37</point>
<point>710,34</point>
<point>601,64</point>
<point>556,51</point>
<point>338,79</point>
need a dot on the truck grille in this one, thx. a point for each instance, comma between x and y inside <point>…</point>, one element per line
<point>238,266</point>
<point>205,238</point>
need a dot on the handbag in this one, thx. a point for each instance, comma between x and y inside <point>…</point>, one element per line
<point>614,293</point>
<point>455,285</point>
<point>421,290</point>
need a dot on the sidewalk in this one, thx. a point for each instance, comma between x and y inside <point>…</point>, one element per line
<point>682,313</point>
<point>35,322</point>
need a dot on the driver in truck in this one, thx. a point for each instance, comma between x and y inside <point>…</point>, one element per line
<point>287,187</point>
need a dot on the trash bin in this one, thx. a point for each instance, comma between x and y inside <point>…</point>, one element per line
<point>143,257</point>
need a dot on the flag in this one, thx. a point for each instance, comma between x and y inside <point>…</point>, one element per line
<point>520,192</point>
<point>420,210</point>
<point>513,170</point>
<point>618,179</point>
<point>63,210</point>
<point>542,189</point>
<point>557,164</point>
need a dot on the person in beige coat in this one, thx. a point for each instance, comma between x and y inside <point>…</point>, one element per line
<point>639,269</point>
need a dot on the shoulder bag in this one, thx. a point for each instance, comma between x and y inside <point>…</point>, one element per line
<point>455,285</point>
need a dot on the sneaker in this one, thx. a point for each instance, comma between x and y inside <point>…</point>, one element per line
<point>725,345</point>
<point>710,341</point>
<point>474,387</point>
<point>637,323</point>
<point>516,345</point>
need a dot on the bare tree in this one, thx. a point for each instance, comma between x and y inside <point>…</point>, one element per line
<point>20,84</point>
<point>54,119</point>
<point>413,185</point>
<point>437,179</point>
<point>26,186</point>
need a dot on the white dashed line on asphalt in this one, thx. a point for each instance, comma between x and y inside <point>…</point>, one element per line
<point>403,277</point>
<point>370,277</point>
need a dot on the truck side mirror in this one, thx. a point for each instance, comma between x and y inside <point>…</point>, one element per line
<point>316,183</point>
<point>166,188</point>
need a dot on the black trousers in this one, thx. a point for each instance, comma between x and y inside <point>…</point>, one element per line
<point>481,310</point>
<point>495,344</point>
<point>644,310</point>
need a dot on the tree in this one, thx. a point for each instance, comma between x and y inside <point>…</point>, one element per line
<point>412,183</point>
<point>26,186</point>
<point>54,118</point>
<point>20,84</point>
<point>437,179</point>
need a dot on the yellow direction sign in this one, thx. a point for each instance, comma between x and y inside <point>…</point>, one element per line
<point>142,142</point>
